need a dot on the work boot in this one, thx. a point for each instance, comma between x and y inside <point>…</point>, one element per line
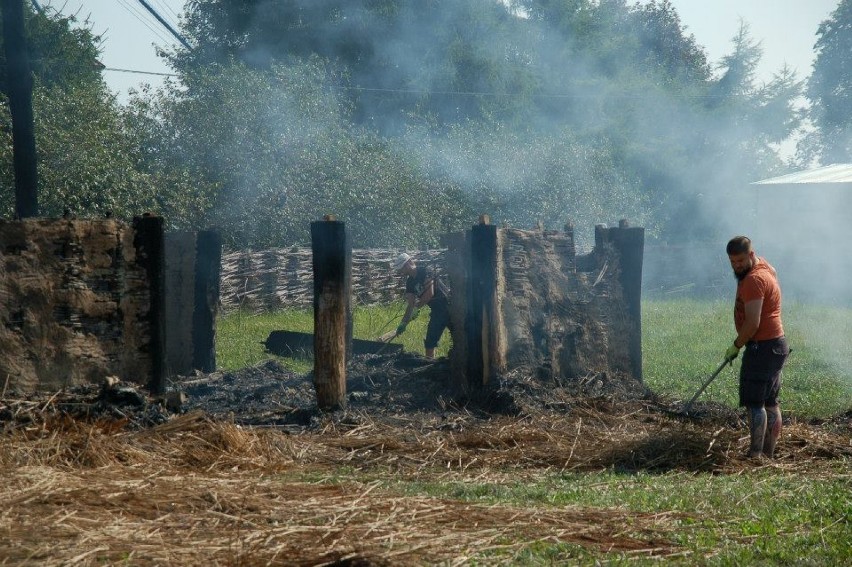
<point>773,431</point>
<point>757,430</point>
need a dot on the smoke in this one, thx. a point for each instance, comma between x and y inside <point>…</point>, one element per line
<point>534,120</point>
<point>537,121</point>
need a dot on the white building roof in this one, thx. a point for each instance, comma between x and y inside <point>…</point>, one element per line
<point>835,173</point>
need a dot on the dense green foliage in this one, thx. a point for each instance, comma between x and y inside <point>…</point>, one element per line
<point>61,53</point>
<point>829,89</point>
<point>537,110</point>
<point>408,119</point>
<point>87,162</point>
<point>269,152</point>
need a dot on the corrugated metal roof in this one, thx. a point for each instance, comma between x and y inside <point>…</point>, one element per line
<point>836,173</point>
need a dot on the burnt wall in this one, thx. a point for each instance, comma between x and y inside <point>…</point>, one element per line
<point>80,300</point>
<point>564,315</point>
<point>179,301</point>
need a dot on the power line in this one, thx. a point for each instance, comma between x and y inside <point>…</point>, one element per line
<point>165,24</point>
<point>165,6</point>
<point>530,95</point>
<point>116,69</point>
<point>141,18</point>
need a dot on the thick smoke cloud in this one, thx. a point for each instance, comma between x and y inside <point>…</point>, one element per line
<point>534,121</point>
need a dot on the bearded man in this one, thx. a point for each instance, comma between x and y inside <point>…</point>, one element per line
<point>757,319</point>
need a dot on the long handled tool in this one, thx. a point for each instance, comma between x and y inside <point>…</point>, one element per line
<point>706,383</point>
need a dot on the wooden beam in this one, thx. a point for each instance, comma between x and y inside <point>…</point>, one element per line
<point>332,268</point>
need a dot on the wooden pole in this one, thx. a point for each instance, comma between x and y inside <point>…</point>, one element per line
<point>19,86</point>
<point>150,251</point>
<point>208,266</point>
<point>630,243</point>
<point>481,305</point>
<point>332,267</point>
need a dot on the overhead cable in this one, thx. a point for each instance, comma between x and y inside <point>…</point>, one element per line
<point>140,16</point>
<point>140,72</point>
<point>165,24</point>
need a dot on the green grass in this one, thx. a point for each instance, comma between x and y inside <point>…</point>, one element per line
<point>684,341</point>
<point>240,336</point>
<point>764,517</point>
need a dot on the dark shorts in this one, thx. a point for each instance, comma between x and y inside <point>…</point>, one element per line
<point>439,319</point>
<point>760,372</point>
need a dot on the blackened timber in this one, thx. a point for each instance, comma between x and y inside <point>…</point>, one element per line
<point>294,343</point>
<point>481,306</point>
<point>332,269</point>
<point>630,242</point>
<point>208,262</point>
<point>19,88</point>
<point>149,244</point>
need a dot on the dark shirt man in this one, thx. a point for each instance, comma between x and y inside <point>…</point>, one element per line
<point>423,288</point>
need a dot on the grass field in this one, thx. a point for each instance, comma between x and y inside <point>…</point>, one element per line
<point>240,336</point>
<point>683,342</point>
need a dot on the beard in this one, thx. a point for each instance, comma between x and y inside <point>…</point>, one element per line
<point>743,273</point>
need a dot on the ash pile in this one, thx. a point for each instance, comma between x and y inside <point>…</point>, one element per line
<point>390,386</point>
<point>380,388</point>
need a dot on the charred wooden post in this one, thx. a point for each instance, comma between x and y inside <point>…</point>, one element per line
<point>630,243</point>
<point>332,268</point>
<point>179,301</point>
<point>458,268</point>
<point>150,250</point>
<point>19,87</point>
<point>208,264</point>
<point>482,306</point>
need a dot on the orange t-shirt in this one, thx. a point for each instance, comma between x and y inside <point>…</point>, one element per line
<point>761,283</point>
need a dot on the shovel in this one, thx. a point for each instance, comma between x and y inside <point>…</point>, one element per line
<point>706,383</point>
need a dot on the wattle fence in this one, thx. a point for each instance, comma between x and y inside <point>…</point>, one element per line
<point>270,280</point>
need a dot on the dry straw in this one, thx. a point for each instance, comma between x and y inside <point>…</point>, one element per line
<point>193,491</point>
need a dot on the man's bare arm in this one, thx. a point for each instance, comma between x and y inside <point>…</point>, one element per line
<point>750,323</point>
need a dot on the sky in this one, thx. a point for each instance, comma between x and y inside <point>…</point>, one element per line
<point>785,28</point>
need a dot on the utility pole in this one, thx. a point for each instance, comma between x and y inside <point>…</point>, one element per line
<point>19,83</point>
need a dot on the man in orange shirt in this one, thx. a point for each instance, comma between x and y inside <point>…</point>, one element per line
<point>757,318</point>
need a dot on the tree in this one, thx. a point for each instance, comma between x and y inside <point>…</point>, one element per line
<point>523,177</point>
<point>86,162</point>
<point>269,151</point>
<point>448,60</point>
<point>420,81</point>
<point>61,52</point>
<point>829,90</point>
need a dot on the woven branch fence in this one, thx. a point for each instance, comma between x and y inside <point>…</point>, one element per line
<point>281,278</point>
